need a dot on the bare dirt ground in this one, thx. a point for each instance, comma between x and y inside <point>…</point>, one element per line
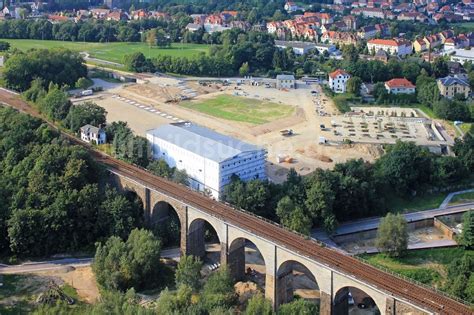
<point>82,279</point>
<point>303,148</point>
<point>426,234</point>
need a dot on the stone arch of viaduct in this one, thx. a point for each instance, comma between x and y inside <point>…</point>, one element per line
<point>232,239</point>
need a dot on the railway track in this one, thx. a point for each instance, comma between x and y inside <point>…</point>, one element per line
<point>391,284</point>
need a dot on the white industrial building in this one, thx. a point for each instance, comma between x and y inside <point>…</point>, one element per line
<point>209,158</point>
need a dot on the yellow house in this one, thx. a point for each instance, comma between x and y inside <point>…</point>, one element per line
<point>419,45</point>
<point>452,85</point>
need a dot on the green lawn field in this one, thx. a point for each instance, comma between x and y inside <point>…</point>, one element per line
<point>112,51</point>
<point>241,109</point>
<point>426,265</point>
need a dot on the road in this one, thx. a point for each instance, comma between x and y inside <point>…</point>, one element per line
<point>36,266</point>
<point>45,265</point>
<point>373,223</point>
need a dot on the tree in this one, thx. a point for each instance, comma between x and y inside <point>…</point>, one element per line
<point>175,302</point>
<point>120,265</point>
<point>83,83</point>
<point>460,279</point>
<point>379,92</point>
<point>259,305</point>
<point>467,235</point>
<point>4,46</point>
<point>440,68</point>
<point>293,217</point>
<point>135,62</point>
<point>353,85</point>
<point>405,167</point>
<point>188,272</point>
<point>452,110</point>
<point>244,69</point>
<point>350,53</point>
<point>300,307</point>
<point>118,215</point>
<point>160,168</point>
<point>85,113</point>
<point>55,104</point>
<point>392,235</point>
<point>218,291</point>
<point>60,66</point>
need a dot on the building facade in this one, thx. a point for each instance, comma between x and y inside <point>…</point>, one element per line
<point>451,85</point>
<point>400,86</point>
<point>285,81</point>
<point>209,158</point>
<point>392,46</point>
<point>91,134</point>
<point>338,81</point>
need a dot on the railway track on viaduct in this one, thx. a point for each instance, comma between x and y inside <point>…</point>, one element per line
<point>402,289</point>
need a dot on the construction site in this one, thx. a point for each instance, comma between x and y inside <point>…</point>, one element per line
<point>300,128</point>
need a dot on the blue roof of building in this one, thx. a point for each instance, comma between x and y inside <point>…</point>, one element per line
<point>202,141</point>
<point>450,80</point>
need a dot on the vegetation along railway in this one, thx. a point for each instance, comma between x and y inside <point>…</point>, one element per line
<point>418,295</point>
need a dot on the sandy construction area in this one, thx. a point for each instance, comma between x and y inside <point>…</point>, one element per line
<point>303,148</point>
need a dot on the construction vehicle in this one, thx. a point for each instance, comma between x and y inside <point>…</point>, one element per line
<point>286,132</point>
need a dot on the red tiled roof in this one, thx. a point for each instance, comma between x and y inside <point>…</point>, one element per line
<point>337,72</point>
<point>399,83</point>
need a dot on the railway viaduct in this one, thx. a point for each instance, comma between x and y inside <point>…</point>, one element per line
<point>334,273</point>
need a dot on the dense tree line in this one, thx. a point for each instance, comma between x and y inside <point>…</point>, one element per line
<point>91,30</point>
<point>50,197</point>
<point>59,66</point>
<point>353,189</point>
<point>235,48</point>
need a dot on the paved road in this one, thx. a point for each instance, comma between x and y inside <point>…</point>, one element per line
<point>421,245</point>
<point>373,223</point>
<point>45,265</point>
<point>447,200</point>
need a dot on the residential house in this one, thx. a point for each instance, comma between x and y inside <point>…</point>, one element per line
<point>344,38</point>
<point>412,16</point>
<point>367,32</point>
<point>351,22</point>
<point>369,12</point>
<point>192,27</point>
<point>117,16</point>
<point>383,29</point>
<point>432,41</point>
<point>338,81</point>
<point>394,46</point>
<point>451,85</point>
<point>444,35</point>
<point>382,55</point>
<point>290,7</point>
<point>400,86</point>
<point>419,45</point>
<point>91,134</point>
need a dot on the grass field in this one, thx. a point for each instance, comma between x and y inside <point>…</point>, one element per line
<point>241,109</point>
<point>424,202</point>
<point>112,51</point>
<point>468,25</point>
<point>426,266</point>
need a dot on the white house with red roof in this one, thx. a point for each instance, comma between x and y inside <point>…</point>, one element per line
<point>400,86</point>
<point>290,6</point>
<point>398,47</point>
<point>338,81</point>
